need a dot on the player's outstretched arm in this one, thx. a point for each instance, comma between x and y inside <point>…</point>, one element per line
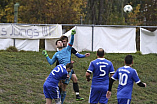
<point>81,55</point>
<point>72,38</point>
<point>77,54</point>
<point>50,61</point>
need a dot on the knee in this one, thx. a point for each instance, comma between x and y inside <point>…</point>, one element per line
<point>74,79</point>
<point>64,87</point>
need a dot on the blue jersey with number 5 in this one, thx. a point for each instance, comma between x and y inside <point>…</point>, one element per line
<point>100,68</point>
<point>126,76</point>
<point>57,74</point>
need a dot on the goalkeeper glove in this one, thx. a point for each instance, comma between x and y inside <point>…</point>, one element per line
<point>44,53</point>
<point>73,32</point>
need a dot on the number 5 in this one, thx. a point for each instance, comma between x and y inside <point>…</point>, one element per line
<point>104,73</point>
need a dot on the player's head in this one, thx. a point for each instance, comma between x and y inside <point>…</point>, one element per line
<point>59,44</point>
<point>128,60</point>
<point>64,40</point>
<point>100,53</point>
<point>69,66</point>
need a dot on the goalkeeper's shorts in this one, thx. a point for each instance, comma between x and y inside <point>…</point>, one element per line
<point>66,81</point>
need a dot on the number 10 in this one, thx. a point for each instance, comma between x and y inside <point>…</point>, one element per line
<point>123,79</point>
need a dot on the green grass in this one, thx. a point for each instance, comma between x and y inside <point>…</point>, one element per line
<point>22,75</point>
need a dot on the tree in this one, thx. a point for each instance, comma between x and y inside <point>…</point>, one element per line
<point>149,12</point>
<point>44,11</point>
<point>108,12</point>
<point>100,12</point>
<point>132,18</point>
<point>6,11</point>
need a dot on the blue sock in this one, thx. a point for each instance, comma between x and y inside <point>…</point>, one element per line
<point>63,94</point>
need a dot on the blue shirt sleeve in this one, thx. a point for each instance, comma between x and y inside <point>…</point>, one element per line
<point>51,61</point>
<point>70,43</point>
<point>135,77</point>
<point>80,55</point>
<point>116,75</point>
<point>91,68</point>
<point>112,69</point>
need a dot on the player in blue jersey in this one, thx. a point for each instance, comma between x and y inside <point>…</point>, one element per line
<point>101,68</point>
<point>127,76</point>
<point>63,56</point>
<point>73,75</point>
<point>51,89</point>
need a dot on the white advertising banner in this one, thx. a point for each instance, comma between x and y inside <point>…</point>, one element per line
<point>27,45</point>
<point>111,39</point>
<point>82,38</point>
<point>50,44</point>
<point>114,39</point>
<point>148,41</point>
<point>30,31</point>
<point>5,43</point>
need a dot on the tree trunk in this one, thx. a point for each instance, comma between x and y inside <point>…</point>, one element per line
<point>101,11</point>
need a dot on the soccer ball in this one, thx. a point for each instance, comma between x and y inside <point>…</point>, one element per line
<point>128,8</point>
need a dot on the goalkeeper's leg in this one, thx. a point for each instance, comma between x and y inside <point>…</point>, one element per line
<point>65,83</point>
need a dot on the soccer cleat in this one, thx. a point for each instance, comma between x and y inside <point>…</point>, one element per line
<point>78,98</point>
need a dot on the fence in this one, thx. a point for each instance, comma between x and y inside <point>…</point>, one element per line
<point>67,27</point>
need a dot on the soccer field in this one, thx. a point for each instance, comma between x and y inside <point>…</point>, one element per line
<point>22,75</point>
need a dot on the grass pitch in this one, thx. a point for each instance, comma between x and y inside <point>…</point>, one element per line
<point>22,75</point>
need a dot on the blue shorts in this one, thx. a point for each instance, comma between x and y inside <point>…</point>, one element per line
<point>98,94</point>
<point>124,101</point>
<point>51,92</point>
<point>66,81</point>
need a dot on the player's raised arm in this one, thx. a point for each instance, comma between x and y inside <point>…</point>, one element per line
<point>51,61</point>
<point>72,40</point>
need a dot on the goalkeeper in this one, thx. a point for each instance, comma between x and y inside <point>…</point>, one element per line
<point>63,55</point>
<point>73,76</point>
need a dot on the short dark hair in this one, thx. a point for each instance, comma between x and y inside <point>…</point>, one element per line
<point>57,41</point>
<point>63,38</point>
<point>69,65</point>
<point>100,52</point>
<point>128,59</point>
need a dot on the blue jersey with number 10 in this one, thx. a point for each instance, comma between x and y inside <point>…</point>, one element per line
<point>100,68</point>
<point>126,76</point>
